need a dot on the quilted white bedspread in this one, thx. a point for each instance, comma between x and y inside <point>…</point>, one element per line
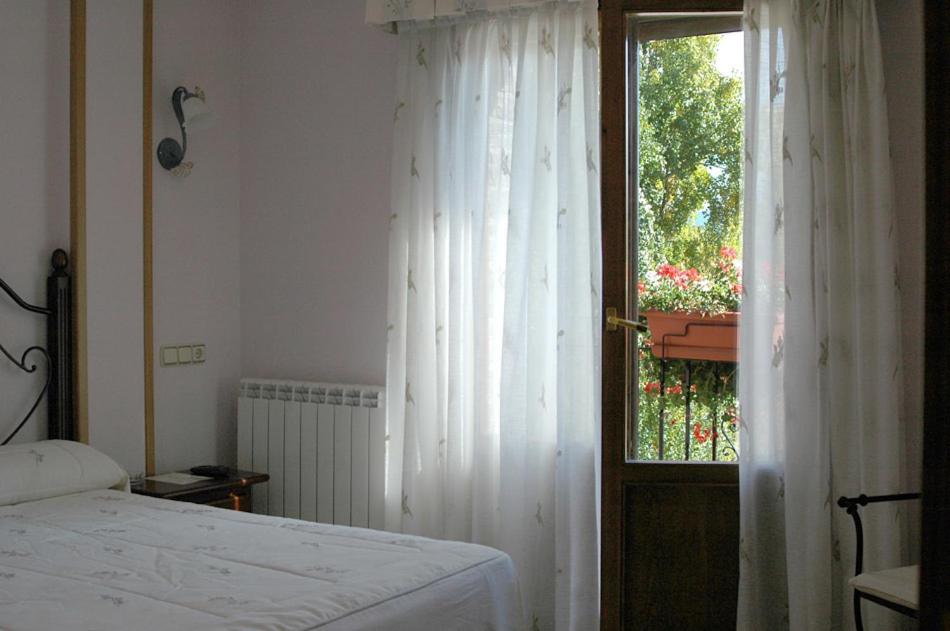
<point>111,560</point>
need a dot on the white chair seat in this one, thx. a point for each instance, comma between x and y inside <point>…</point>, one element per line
<point>897,585</point>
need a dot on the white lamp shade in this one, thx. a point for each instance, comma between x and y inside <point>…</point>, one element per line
<point>196,114</point>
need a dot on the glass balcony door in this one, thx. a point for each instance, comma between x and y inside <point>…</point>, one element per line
<point>672,224</point>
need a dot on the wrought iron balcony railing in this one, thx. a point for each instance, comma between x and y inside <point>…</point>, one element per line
<point>687,408</point>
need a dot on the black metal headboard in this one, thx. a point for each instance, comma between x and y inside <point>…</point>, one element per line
<point>57,354</point>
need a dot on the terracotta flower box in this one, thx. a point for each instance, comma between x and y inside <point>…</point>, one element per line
<point>685,335</point>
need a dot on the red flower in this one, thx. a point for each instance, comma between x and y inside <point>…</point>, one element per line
<point>668,271</point>
<point>701,435</point>
<point>728,253</point>
<point>641,287</point>
<point>691,274</point>
<point>653,386</point>
<point>737,288</point>
<point>675,389</point>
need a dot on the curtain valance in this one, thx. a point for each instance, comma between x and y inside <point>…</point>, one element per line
<point>391,12</point>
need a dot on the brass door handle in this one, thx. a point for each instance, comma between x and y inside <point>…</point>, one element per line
<point>614,321</point>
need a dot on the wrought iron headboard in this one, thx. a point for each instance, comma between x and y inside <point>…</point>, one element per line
<point>57,353</point>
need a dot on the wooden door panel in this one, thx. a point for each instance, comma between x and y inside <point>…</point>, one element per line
<point>680,555</point>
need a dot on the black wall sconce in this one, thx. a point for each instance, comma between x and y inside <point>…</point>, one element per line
<point>192,114</point>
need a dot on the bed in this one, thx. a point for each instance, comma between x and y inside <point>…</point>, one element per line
<point>78,551</point>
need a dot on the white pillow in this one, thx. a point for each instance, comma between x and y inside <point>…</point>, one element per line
<point>33,471</point>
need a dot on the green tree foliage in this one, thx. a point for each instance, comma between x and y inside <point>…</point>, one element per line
<point>690,154</point>
<point>690,170</point>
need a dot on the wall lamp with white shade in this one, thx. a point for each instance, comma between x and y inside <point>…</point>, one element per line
<point>193,114</point>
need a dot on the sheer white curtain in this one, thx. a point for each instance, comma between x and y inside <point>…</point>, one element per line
<point>820,356</point>
<point>494,325</point>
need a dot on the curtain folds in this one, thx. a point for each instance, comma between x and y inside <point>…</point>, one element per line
<point>819,352</point>
<point>493,374</point>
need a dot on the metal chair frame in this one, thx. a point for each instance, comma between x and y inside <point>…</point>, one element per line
<point>852,506</point>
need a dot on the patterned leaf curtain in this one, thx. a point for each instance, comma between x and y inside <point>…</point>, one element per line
<point>819,335</point>
<point>493,374</point>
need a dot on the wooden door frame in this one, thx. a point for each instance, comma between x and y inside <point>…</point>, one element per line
<point>614,178</point>
<point>148,257</point>
<point>613,182</point>
<point>77,212</point>
<point>935,505</point>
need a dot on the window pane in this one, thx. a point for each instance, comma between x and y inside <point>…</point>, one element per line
<point>689,118</point>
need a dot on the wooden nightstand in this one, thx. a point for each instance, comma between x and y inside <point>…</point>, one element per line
<point>232,492</point>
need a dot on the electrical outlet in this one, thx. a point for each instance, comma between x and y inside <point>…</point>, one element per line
<point>169,355</point>
<point>176,355</point>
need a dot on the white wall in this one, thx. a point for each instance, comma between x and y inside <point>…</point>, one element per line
<point>114,230</point>
<point>317,95</point>
<point>34,181</point>
<point>902,40</point>
<point>274,251</point>
<point>196,236</point>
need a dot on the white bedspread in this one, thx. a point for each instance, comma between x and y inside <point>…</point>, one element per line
<point>112,560</point>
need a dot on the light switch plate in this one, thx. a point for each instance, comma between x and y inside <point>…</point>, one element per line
<point>169,355</point>
<point>184,355</point>
<point>198,353</point>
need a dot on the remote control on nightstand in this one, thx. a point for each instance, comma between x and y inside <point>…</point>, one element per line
<point>211,471</point>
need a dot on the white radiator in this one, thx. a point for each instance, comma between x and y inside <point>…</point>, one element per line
<point>323,446</point>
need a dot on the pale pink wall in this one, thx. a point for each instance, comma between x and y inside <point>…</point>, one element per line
<point>317,93</point>
<point>273,251</point>
<point>196,235</point>
<point>34,180</point>
<point>115,311</point>
<point>902,40</point>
